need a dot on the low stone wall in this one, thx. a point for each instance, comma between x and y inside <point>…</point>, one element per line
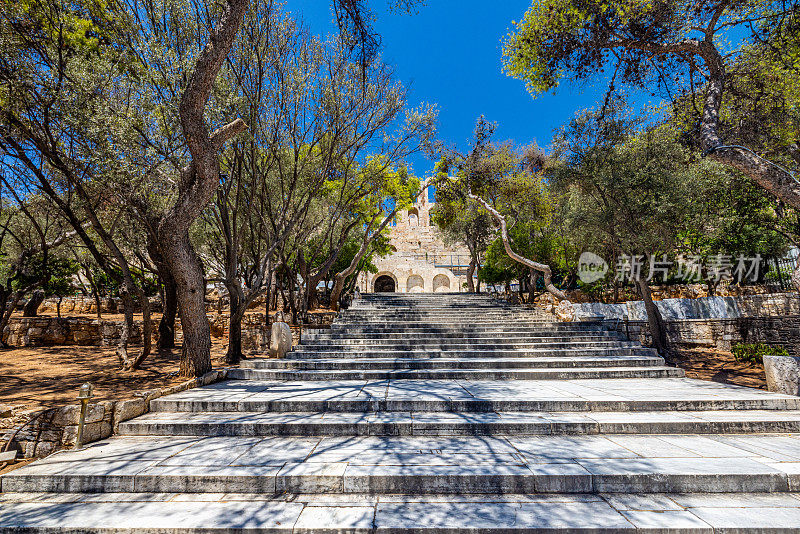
<point>81,305</point>
<point>765,305</point>
<point>672,291</point>
<point>45,331</point>
<point>84,331</point>
<point>44,432</point>
<point>721,333</point>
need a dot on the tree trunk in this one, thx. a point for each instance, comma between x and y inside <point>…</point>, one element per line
<point>127,329</point>
<point>473,264</point>
<point>234,354</point>
<point>58,306</point>
<point>197,185</point>
<point>166,327</point>
<point>541,267</point>
<point>33,303</point>
<point>169,296</point>
<point>185,266</point>
<point>655,321</point>
<point>533,278</point>
<point>95,292</point>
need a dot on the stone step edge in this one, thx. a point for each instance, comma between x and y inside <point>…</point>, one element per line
<point>403,514</point>
<point>401,479</point>
<point>620,373</point>
<point>468,406</point>
<point>476,364</point>
<point>305,424</point>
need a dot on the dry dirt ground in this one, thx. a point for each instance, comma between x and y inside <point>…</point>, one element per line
<point>720,366</point>
<point>34,377</point>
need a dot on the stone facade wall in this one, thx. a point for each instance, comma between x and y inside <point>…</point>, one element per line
<point>783,331</point>
<point>422,261</point>
<point>44,432</point>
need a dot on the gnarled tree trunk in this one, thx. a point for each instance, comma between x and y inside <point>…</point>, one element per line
<point>32,306</point>
<point>541,267</point>
<point>473,265</point>
<point>655,321</point>
<point>198,183</point>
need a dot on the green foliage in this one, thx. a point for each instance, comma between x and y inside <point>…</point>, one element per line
<point>755,352</point>
<point>574,39</point>
<point>630,192</point>
<point>60,279</point>
<point>627,189</point>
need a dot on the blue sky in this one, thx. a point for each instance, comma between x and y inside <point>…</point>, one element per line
<point>450,54</point>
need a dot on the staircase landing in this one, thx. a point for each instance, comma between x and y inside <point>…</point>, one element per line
<point>435,413</point>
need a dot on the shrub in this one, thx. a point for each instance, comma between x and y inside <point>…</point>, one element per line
<point>754,352</point>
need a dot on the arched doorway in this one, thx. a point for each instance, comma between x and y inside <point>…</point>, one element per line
<point>441,283</point>
<point>413,217</point>
<point>385,284</point>
<point>415,284</point>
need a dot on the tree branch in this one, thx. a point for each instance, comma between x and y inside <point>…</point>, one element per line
<point>541,267</point>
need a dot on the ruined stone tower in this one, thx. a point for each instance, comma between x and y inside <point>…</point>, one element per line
<point>422,262</point>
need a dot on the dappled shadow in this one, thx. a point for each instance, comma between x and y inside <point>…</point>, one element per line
<point>49,376</point>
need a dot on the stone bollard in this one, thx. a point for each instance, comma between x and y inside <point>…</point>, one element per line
<point>783,374</point>
<point>564,311</point>
<point>280,339</point>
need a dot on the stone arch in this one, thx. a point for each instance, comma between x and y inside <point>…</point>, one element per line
<point>415,284</point>
<point>384,283</point>
<point>441,283</point>
<point>413,217</point>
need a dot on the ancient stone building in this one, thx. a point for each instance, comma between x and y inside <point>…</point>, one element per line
<point>422,262</point>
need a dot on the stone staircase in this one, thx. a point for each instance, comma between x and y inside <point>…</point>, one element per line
<point>435,413</point>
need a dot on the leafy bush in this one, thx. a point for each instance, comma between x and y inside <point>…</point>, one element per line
<point>754,352</point>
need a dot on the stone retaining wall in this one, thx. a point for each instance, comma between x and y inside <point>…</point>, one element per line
<point>84,331</point>
<point>81,305</point>
<point>45,331</point>
<point>256,330</point>
<point>765,305</point>
<point>722,333</point>
<point>45,432</point>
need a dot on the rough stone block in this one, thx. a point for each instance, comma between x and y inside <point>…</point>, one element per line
<point>783,374</point>
<point>39,449</point>
<point>91,432</point>
<point>280,341</point>
<point>128,409</point>
<point>70,415</point>
<point>150,394</point>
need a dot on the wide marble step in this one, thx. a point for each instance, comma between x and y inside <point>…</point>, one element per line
<point>302,352</point>
<point>459,374</point>
<point>460,316</point>
<point>372,364</point>
<point>419,465</point>
<point>235,513</point>
<point>674,394</point>
<point>458,423</point>
<point>444,344</point>
<point>316,336</point>
<point>499,328</point>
